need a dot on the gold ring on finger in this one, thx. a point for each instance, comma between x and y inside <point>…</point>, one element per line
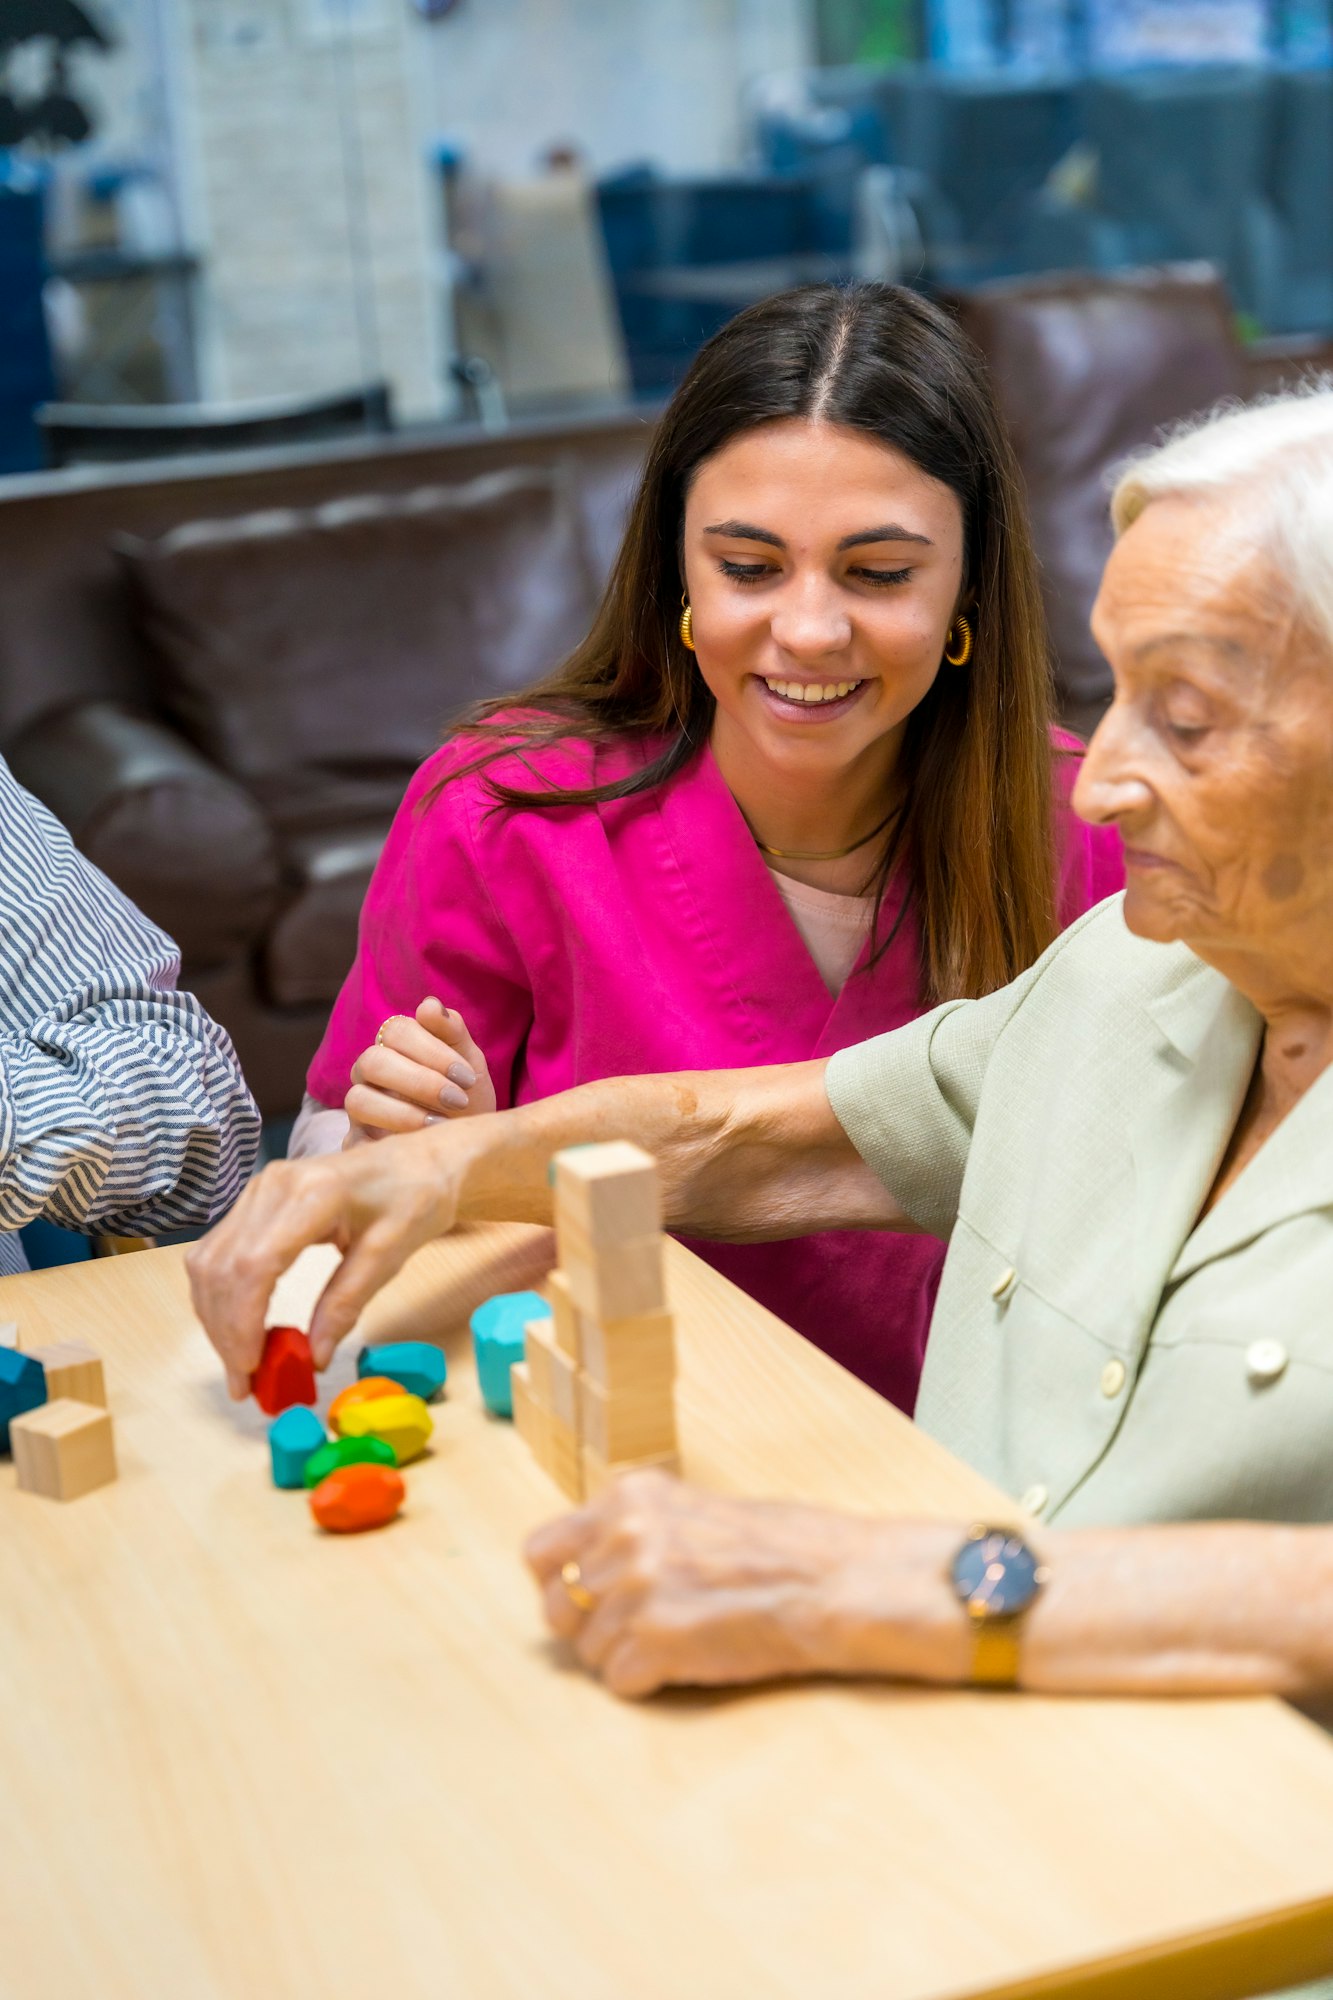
<point>579,1594</point>
<point>379,1037</point>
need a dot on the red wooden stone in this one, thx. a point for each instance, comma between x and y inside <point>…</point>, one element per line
<point>285,1374</point>
<point>356,1497</point>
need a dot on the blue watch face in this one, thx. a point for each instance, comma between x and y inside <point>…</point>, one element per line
<point>995,1574</point>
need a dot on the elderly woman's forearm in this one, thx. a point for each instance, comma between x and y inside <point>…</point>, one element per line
<point>1207,1608</point>
<point>745,1155</point>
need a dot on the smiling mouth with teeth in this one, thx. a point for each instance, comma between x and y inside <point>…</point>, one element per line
<point>811,691</point>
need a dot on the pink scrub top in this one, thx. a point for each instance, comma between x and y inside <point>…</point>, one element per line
<point>647,935</point>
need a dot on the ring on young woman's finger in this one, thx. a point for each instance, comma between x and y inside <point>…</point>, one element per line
<point>379,1037</point>
<point>579,1594</point>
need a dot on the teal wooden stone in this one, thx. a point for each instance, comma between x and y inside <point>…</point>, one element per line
<point>497,1341</point>
<point>292,1438</point>
<point>22,1388</point>
<point>416,1364</point>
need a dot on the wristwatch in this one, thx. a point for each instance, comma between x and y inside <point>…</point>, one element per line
<point>996,1578</point>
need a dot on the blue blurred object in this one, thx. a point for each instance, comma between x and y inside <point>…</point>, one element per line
<point>26,374</point>
<point>45,1245</point>
<point>497,1340</point>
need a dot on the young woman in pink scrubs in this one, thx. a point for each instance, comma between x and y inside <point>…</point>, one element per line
<point>798,784</point>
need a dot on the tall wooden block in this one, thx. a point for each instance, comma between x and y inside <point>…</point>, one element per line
<point>568,1320</point>
<point>625,1426</point>
<point>598,1474</point>
<point>631,1354</point>
<point>609,1192</point>
<point>63,1449</point>
<point>621,1282</point>
<point>74,1371</point>
<point>552,1376</point>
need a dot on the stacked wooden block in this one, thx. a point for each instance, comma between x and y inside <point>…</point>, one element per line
<point>65,1447</point>
<point>595,1394</point>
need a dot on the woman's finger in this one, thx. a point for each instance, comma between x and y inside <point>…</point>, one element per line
<point>566,1539</point>
<point>383,1068</point>
<point>377,1111</point>
<point>447,1025</point>
<point>411,1039</point>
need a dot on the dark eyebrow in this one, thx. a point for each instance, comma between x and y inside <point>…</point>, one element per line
<point>745,531</point>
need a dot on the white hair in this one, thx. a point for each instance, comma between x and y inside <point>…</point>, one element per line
<point>1274,458</point>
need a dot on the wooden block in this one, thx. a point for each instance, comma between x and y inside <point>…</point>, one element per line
<point>63,1449</point>
<point>73,1370</point>
<point>598,1474</point>
<point>9,1333</point>
<point>552,1376</point>
<point>622,1427</point>
<point>565,1464</point>
<point>611,1193</point>
<point>531,1421</point>
<point>631,1354</point>
<point>623,1282</point>
<point>568,1322</point>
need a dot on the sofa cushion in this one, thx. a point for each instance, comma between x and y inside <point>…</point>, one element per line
<point>1088,370</point>
<point>334,643</point>
<point>312,942</point>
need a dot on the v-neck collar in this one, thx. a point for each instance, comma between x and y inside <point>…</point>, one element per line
<point>758,954</point>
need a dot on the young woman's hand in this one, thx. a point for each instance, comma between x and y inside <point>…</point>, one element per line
<point>419,1070</point>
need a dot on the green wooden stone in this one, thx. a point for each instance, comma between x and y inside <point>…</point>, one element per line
<point>346,1451</point>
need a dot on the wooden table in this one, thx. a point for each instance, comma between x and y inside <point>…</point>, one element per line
<point>238,1758</point>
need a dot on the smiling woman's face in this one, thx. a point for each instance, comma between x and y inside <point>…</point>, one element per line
<point>823,570</point>
<point>1216,757</point>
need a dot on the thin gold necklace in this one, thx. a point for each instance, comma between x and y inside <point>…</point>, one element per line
<point>838,853</point>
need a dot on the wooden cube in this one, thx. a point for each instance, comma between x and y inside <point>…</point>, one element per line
<point>631,1354</point>
<point>565,1464</point>
<point>531,1421</point>
<point>565,1314</point>
<point>64,1449</point>
<point>9,1333</point>
<point>627,1426</point>
<point>621,1282</point>
<point>552,1375</point>
<point>598,1474</point>
<point>72,1370</point>
<point>609,1192</point>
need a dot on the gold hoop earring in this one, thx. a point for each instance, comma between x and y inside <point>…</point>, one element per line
<point>687,623</point>
<point>963,654</point>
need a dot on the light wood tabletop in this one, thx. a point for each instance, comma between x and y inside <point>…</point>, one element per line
<point>241,1758</point>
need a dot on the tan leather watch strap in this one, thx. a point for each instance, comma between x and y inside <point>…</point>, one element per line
<point>995,1651</point>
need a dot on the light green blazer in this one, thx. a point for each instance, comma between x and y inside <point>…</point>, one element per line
<point>1096,1350</point>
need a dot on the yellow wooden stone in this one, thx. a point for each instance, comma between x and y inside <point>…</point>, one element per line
<point>402,1421</point>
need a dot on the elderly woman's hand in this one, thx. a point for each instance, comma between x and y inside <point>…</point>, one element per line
<point>660,1584</point>
<point>377,1203</point>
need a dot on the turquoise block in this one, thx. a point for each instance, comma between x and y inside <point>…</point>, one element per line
<point>22,1388</point>
<point>497,1341</point>
<point>292,1438</point>
<point>416,1364</point>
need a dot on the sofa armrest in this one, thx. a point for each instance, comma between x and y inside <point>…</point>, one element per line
<point>182,839</point>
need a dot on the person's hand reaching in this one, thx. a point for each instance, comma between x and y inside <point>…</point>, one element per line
<point>419,1070</point>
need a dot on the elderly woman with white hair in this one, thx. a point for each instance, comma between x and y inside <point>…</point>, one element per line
<point>1128,1148</point>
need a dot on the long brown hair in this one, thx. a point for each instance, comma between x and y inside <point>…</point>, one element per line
<point>974,839</point>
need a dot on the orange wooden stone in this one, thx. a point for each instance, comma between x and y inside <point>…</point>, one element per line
<point>357,1497</point>
<point>370,1389</point>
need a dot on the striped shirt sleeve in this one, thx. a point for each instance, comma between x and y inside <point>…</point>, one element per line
<point>122,1105</point>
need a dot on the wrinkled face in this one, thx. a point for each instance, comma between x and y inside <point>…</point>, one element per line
<point>1216,757</point>
<point>823,570</point>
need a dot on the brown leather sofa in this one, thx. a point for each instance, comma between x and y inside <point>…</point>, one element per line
<point>220,674</point>
<point>1089,369</point>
